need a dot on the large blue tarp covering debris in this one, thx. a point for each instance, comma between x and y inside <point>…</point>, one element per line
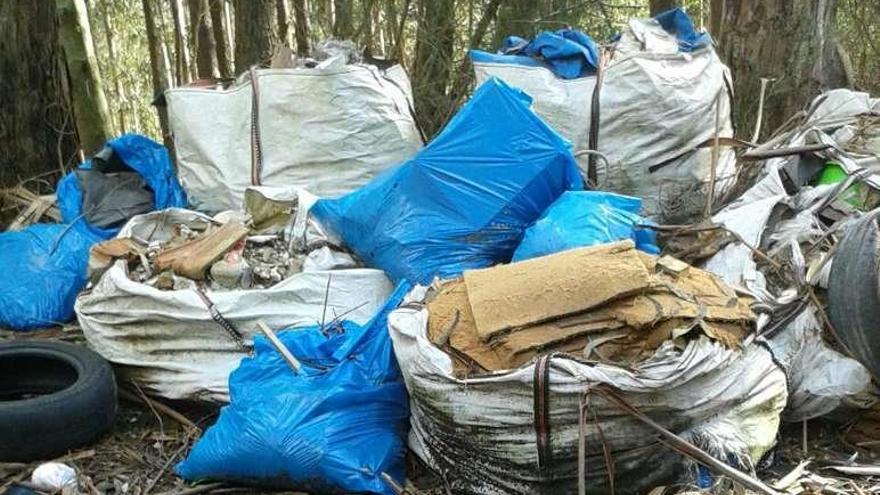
<point>571,54</point>
<point>464,201</point>
<point>49,260</point>
<point>587,218</point>
<point>333,428</point>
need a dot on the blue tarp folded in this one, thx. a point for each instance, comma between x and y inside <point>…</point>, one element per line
<point>586,218</point>
<point>143,155</point>
<point>571,54</point>
<point>677,22</point>
<point>49,260</point>
<point>464,201</point>
<point>333,428</point>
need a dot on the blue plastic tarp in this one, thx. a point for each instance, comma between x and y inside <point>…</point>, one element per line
<point>333,428</point>
<point>677,22</point>
<point>587,218</point>
<point>45,268</point>
<point>571,54</point>
<point>464,201</point>
<point>49,261</point>
<point>143,155</point>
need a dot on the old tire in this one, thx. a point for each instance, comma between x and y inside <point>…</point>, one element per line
<point>854,291</point>
<point>54,397</point>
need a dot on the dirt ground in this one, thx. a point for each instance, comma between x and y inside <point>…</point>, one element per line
<point>137,456</point>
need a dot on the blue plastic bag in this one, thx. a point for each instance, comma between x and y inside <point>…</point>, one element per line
<point>464,201</point>
<point>143,155</point>
<point>45,268</point>
<point>49,261</point>
<point>677,22</point>
<point>333,428</point>
<point>587,218</point>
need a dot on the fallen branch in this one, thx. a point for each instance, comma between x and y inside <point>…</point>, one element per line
<point>158,406</point>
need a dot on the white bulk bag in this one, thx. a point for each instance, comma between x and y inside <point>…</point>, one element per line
<point>169,344</point>
<point>481,433</point>
<point>328,129</point>
<point>657,106</point>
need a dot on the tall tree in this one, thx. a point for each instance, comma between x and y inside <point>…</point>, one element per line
<point>120,95</point>
<point>659,6</point>
<point>256,32</point>
<point>283,14</point>
<point>435,42</point>
<point>158,70</point>
<point>342,19</point>
<point>793,42</point>
<point>202,35</point>
<point>518,17</point>
<point>301,26</point>
<point>181,51</point>
<point>92,116</point>
<point>219,27</point>
<point>35,123</point>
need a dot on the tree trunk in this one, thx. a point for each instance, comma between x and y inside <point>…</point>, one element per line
<point>793,42</point>
<point>181,50</point>
<point>90,110</point>
<point>434,50</point>
<point>517,17</point>
<point>365,30</point>
<point>464,74</point>
<point>283,14</point>
<point>342,19</point>
<point>660,6</point>
<point>114,72</point>
<point>202,34</point>
<point>218,26</point>
<point>256,33</point>
<point>35,124</point>
<point>158,70</point>
<point>301,27</point>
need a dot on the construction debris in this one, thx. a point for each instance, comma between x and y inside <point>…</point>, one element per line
<point>608,303</point>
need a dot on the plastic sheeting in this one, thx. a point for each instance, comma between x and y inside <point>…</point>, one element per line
<point>568,53</point>
<point>334,427</point>
<point>464,201</point>
<point>586,218</point>
<point>820,378</point>
<point>480,432</point>
<point>327,129</point>
<point>167,341</point>
<point>44,268</point>
<point>658,107</point>
<point>143,155</point>
<point>49,261</point>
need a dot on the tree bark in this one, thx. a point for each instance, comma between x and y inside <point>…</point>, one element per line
<point>35,123</point>
<point>342,19</point>
<point>301,27</point>
<point>218,26</point>
<point>92,117</point>
<point>793,42</point>
<point>283,14</point>
<point>158,70</point>
<point>433,59</point>
<point>202,34</point>
<point>181,50</point>
<point>256,33</point>
<point>660,6</point>
<point>120,95</point>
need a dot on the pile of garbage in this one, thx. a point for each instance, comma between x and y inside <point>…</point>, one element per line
<point>568,289</point>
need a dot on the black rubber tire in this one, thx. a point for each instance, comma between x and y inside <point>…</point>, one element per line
<point>78,401</point>
<point>854,291</point>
